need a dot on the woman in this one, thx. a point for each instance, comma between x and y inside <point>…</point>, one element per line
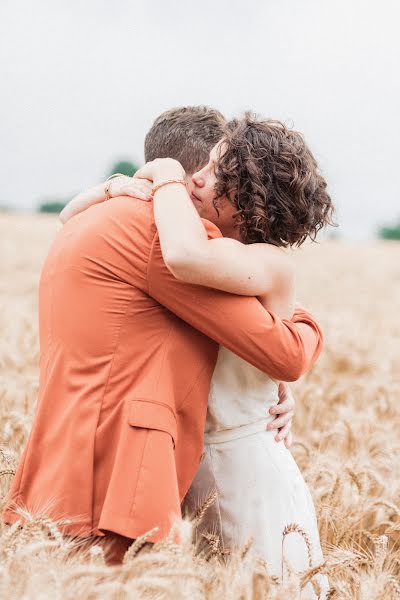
<point>262,188</point>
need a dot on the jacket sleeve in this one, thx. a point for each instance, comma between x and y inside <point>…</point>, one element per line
<point>277,347</point>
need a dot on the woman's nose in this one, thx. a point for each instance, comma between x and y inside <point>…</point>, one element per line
<point>198,179</point>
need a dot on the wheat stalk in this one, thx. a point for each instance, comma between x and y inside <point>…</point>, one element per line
<point>7,472</point>
<point>295,528</point>
<point>200,512</point>
<point>381,550</point>
<point>137,545</point>
<point>246,547</point>
<point>393,508</point>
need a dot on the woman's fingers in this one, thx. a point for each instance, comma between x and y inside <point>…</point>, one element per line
<point>163,168</point>
<point>136,190</point>
<point>138,196</point>
<point>146,172</point>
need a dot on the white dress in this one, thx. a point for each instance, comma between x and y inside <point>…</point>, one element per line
<point>260,487</point>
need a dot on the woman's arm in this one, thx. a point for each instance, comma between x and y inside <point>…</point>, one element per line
<point>120,186</point>
<point>229,265</point>
<point>221,263</point>
<point>82,201</point>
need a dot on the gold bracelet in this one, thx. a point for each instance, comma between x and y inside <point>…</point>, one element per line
<point>166,182</point>
<point>107,184</point>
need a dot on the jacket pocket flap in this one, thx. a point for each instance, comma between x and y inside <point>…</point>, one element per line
<point>152,415</point>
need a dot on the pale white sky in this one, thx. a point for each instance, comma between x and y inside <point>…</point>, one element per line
<point>82,81</point>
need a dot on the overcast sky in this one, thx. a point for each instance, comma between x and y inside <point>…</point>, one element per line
<point>82,80</point>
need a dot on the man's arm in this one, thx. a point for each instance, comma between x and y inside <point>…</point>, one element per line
<point>281,348</point>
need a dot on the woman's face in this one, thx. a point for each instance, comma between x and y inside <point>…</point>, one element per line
<point>202,192</point>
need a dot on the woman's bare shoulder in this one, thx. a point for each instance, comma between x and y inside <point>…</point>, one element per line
<point>276,258</point>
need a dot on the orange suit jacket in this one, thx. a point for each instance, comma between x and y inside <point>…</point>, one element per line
<point>126,357</point>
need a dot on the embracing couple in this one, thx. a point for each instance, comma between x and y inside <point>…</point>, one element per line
<point>168,324</point>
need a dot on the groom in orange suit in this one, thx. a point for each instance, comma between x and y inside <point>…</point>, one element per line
<point>127,355</point>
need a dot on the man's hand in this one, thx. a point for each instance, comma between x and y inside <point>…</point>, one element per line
<point>284,412</point>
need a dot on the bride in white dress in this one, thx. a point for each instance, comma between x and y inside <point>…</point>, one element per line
<point>269,189</point>
<point>260,490</point>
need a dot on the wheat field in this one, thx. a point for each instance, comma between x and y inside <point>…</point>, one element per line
<point>346,432</point>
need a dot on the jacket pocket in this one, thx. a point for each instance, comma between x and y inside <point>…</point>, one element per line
<point>153,415</point>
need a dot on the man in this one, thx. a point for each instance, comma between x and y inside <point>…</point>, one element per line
<point>127,355</point>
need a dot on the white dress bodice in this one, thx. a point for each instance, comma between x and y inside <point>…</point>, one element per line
<point>240,393</point>
<point>260,489</point>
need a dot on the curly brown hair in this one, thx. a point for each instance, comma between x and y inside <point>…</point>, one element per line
<point>273,179</point>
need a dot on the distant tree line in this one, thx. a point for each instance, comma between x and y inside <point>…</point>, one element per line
<point>390,232</point>
<point>55,205</point>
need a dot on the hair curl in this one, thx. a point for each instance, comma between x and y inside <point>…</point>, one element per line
<point>273,179</point>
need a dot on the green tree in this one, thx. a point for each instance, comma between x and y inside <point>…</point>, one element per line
<point>55,205</point>
<point>125,167</point>
<point>389,232</point>
<point>52,206</point>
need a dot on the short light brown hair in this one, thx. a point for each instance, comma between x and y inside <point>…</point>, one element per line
<point>185,133</point>
<point>274,181</point>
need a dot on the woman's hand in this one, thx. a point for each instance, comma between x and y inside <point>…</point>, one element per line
<point>130,186</point>
<point>160,169</point>
<point>140,185</point>
<point>119,186</point>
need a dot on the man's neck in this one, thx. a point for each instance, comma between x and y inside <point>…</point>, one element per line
<point>230,231</point>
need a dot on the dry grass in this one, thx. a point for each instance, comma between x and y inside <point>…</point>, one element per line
<point>347,442</point>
